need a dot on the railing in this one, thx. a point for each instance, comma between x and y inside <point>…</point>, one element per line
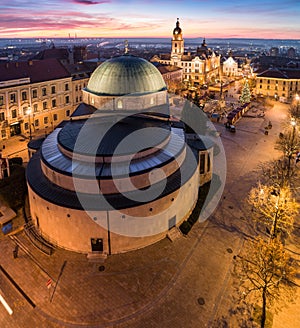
<point>37,240</point>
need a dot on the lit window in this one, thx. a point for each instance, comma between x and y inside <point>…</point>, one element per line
<point>119,104</point>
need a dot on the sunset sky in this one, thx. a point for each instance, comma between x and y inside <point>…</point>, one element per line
<point>150,18</point>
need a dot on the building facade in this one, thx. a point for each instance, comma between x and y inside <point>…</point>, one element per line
<point>36,95</point>
<point>200,67</point>
<point>280,84</point>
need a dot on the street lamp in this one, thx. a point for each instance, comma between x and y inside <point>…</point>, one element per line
<point>28,112</point>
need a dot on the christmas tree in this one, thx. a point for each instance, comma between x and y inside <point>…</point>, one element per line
<point>246,94</point>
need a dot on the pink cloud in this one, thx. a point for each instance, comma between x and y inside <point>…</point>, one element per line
<point>90,2</point>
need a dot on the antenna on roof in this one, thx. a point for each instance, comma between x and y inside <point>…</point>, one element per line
<point>126,47</point>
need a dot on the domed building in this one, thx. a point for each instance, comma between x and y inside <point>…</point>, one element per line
<point>120,173</point>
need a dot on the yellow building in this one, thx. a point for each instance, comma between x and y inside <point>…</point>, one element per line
<point>201,67</point>
<point>36,95</point>
<point>281,84</point>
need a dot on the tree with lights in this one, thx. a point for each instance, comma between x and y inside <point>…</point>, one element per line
<point>267,271</point>
<point>246,94</point>
<point>274,207</point>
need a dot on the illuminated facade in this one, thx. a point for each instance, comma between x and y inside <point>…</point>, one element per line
<point>37,95</point>
<point>199,68</point>
<point>282,84</point>
<point>230,68</point>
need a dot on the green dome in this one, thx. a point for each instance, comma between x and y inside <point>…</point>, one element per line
<point>125,75</point>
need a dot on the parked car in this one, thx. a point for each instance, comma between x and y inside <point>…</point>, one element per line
<point>232,128</point>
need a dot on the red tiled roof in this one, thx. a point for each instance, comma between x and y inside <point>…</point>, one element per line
<point>36,70</point>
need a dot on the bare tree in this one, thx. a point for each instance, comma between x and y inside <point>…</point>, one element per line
<point>265,271</point>
<point>274,207</point>
<point>289,143</point>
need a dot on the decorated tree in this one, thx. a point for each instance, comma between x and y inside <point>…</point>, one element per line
<point>266,270</point>
<point>274,207</point>
<point>246,94</point>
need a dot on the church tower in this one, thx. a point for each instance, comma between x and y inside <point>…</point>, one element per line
<point>177,42</point>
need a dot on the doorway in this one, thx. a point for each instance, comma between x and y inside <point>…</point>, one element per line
<point>15,129</point>
<point>97,244</point>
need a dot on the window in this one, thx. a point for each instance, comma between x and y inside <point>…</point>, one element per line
<point>77,99</point>
<point>68,112</point>
<point>53,102</point>
<point>54,117</point>
<point>202,163</point>
<point>3,134</point>
<point>26,126</point>
<point>25,110</point>
<point>53,89</point>
<point>44,92</point>
<point>80,98</point>
<point>67,99</point>
<point>76,88</point>
<point>208,163</point>
<point>13,113</point>
<point>12,97</point>
<point>44,105</point>
<point>67,87</point>
<point>1,100</point>
<point>120,104</point>
<point>268,81</point>
<point>24,95</point>
<point>2,117</point>
<point>46,120</point>
<point>36,122</point>
<point>35,108</point>
<point>34,93</point>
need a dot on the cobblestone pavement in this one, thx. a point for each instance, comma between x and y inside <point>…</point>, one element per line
<point>184,283</point>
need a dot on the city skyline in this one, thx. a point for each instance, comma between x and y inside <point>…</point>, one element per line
<point>120,18</point>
